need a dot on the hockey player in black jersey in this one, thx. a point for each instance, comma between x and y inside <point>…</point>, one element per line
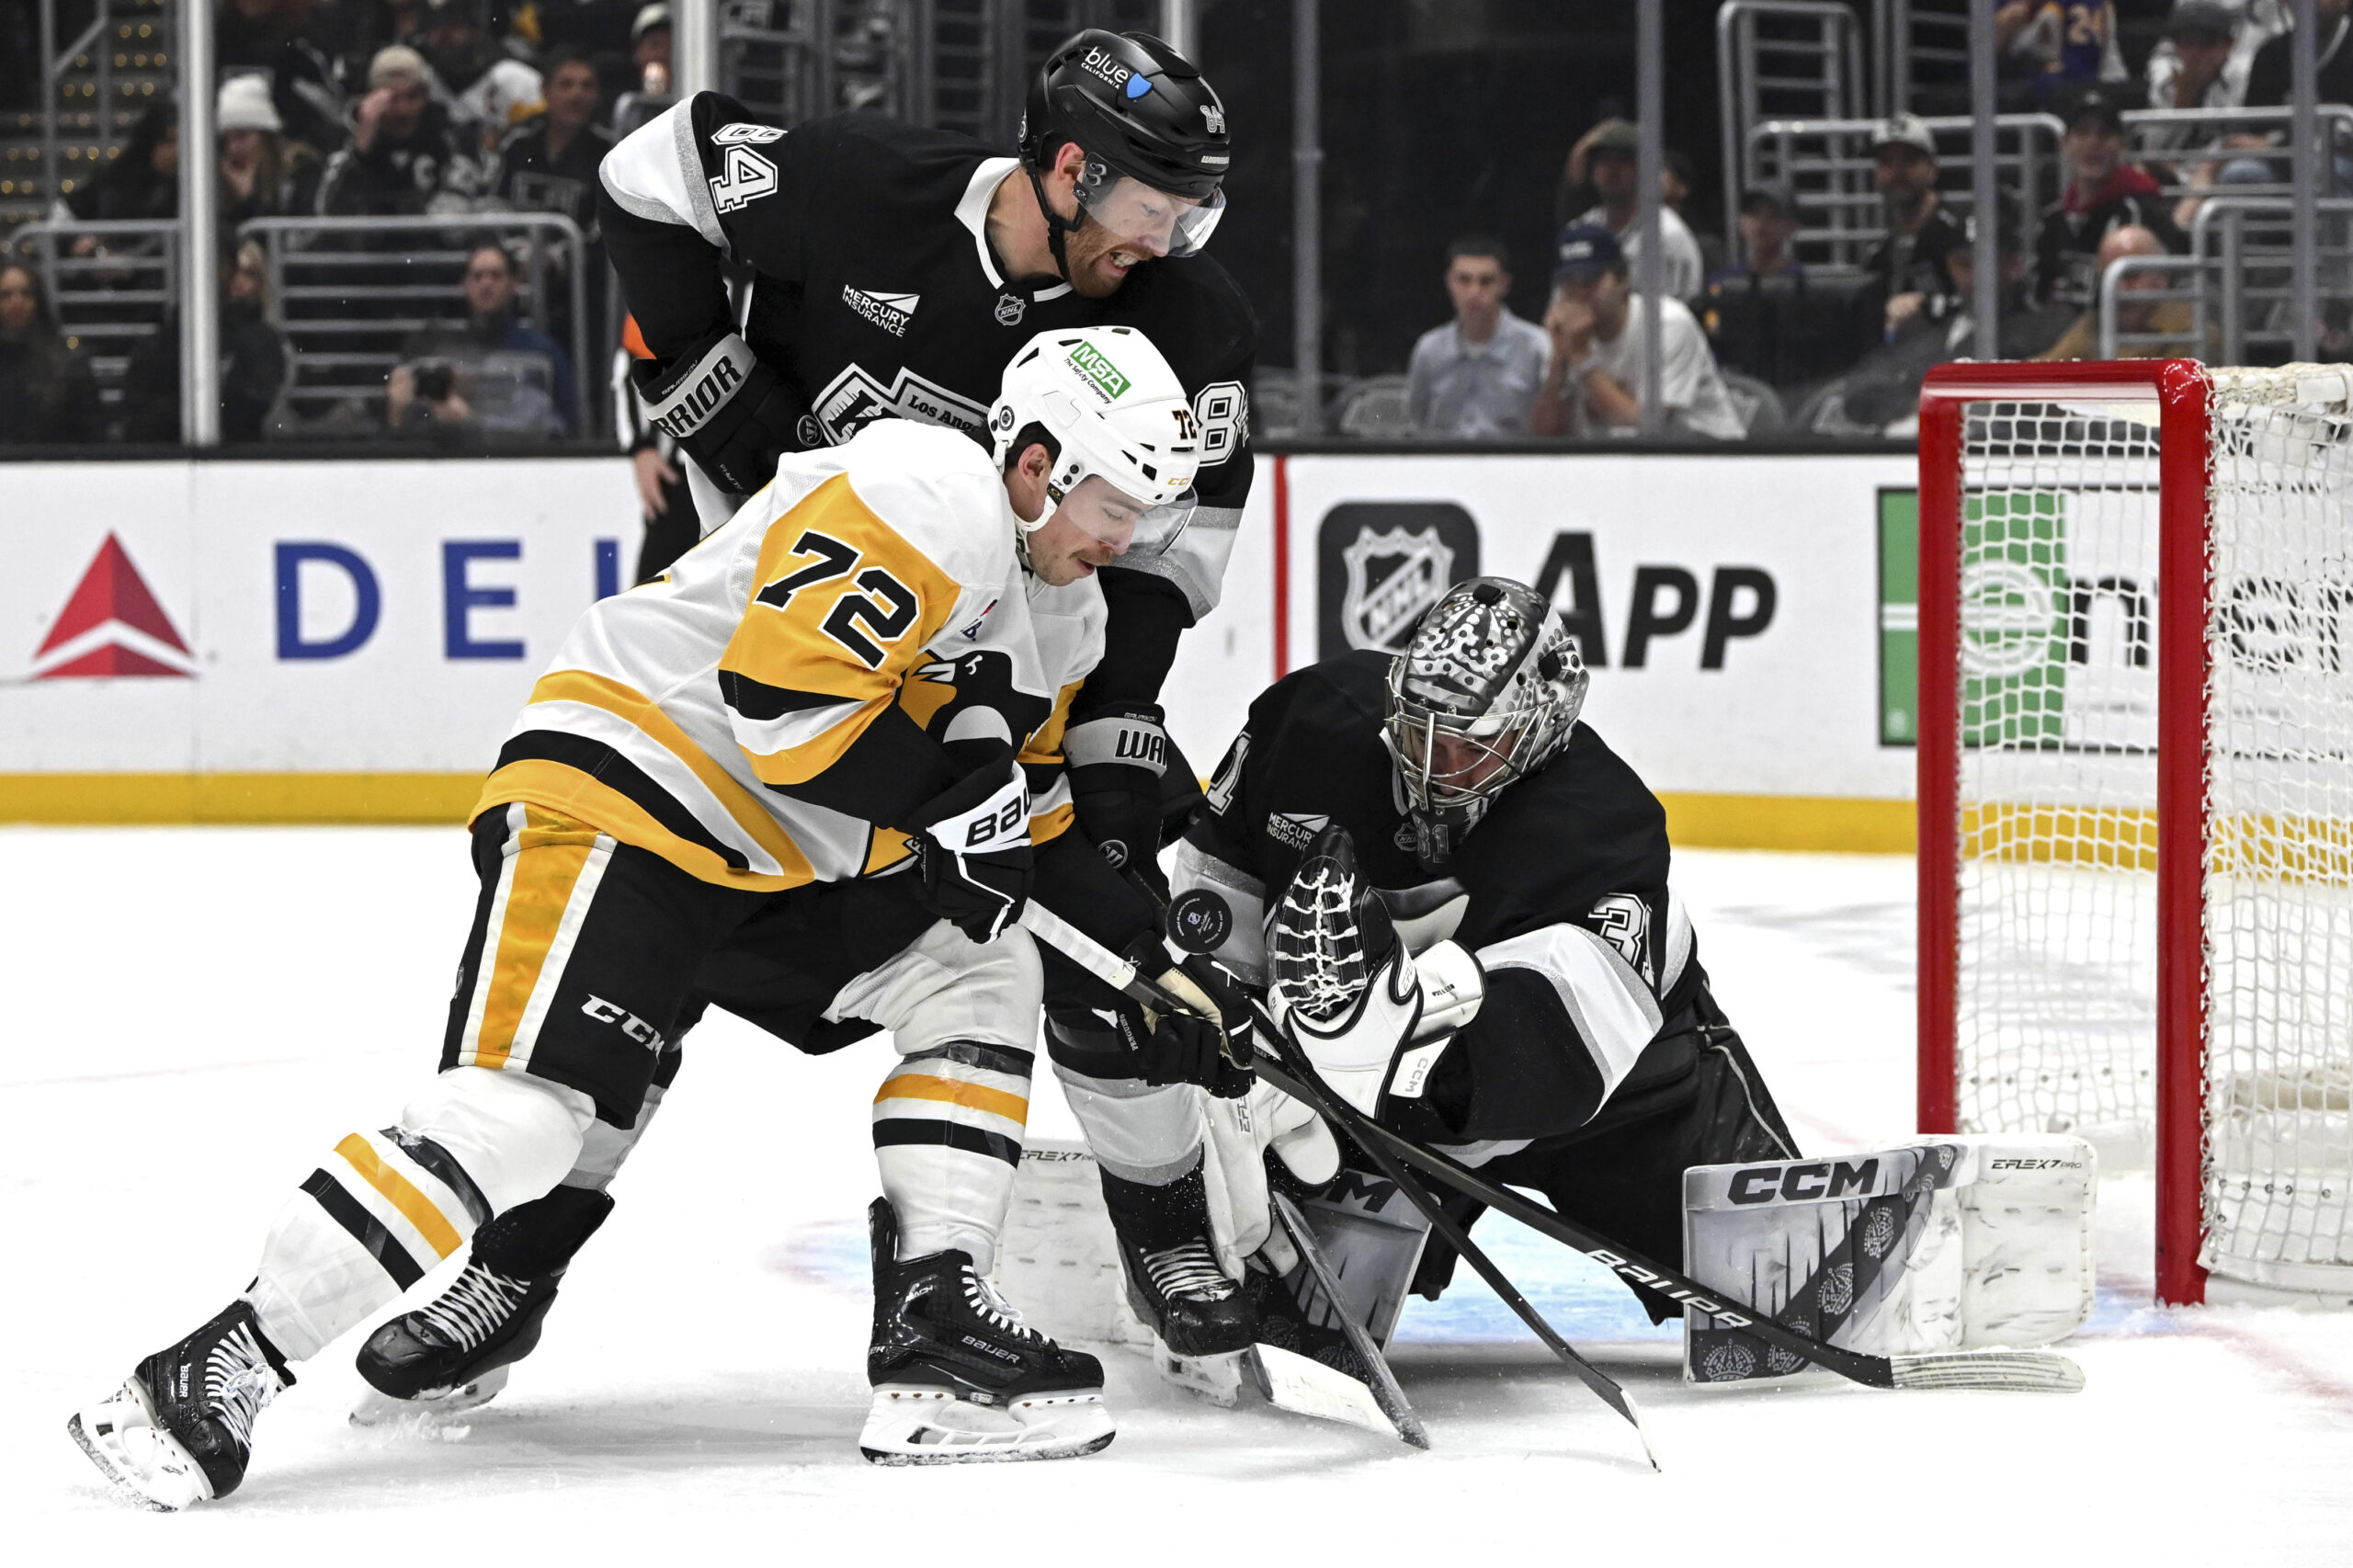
<point>892,270</point>
<point>1597,1065</point>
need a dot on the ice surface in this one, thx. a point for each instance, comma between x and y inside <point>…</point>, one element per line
<point>198,1015</point>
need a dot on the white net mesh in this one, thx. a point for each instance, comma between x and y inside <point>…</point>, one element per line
<point>2056,987</point>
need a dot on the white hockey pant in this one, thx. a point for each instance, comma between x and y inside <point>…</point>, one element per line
<point>1150,1136</point>
<point>385,1206</point>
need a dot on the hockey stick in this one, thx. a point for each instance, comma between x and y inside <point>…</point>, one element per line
<point>1302,1085</point>
<point>1386,1395</point>
<point>2033,1371</point>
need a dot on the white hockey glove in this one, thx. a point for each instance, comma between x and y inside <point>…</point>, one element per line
<point>1343,987</point>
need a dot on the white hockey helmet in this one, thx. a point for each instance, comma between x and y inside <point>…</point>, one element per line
<point>1115,411</point>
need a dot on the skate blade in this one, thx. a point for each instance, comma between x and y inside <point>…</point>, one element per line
<point>143,1463</point>
<point>377,1408</point>
<point>910,1426</point>
<point>1217,1379</point>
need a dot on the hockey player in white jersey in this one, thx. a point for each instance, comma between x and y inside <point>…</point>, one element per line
<point>740,781</point>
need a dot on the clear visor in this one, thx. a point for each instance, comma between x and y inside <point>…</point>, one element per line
<point>1146,218</point>
<point>1444,765</point>
<point>1114,518</point>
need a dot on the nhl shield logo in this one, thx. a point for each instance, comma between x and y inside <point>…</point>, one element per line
<point>1009,309</point>
<point>1394,575</point>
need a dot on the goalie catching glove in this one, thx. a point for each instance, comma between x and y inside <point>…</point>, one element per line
<point>973,850</point>
<point>726,409</point>
<point>1373,1018</point>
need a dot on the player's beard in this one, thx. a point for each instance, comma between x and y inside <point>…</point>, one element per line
<point>1084,249</point>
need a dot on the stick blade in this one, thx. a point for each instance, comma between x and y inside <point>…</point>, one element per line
<point>2012,1372</point>
<point>1291,1381</point>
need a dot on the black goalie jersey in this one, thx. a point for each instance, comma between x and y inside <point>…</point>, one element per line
<point>874,293</point>
<point>1591,967</point>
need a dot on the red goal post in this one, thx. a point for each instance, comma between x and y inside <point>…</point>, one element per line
<point>2087,922</point>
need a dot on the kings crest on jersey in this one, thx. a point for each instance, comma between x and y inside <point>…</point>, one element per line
<point>873,578</point>
<point>875,292</point>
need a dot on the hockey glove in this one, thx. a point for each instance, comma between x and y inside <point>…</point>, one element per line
<point>726,409</point>
<point>972,849</point>
<point>1206,1041</point>
<point>1343,987</point>
<point>1116,757</point>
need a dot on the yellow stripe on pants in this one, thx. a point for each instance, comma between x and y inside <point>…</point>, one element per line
<point>547,869</point>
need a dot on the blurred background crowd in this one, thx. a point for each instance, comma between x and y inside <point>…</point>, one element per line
<point>407,246</point>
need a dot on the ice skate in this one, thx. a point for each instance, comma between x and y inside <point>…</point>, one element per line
<point>958,1379</point>
<point>455,1352</point>
<point>180,1429</point>
<point>1173,1282</point>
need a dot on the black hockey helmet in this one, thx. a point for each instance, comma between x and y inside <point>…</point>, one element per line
<point>1142,112</point>
<point>1485,693</point>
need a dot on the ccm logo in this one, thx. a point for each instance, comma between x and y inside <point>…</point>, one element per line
<point>637,1028</point>
<point>2038,1165</point>
<point>693,408</point>
<point>1799,1184</point>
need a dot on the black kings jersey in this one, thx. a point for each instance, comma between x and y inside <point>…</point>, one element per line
<point>874,293</point>
<point>1588,954</point>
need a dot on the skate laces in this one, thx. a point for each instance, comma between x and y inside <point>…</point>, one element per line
<point>982,1297</point>
<point>239,1381</point>
<point>473,1308</point>
<point>1187,1270</point>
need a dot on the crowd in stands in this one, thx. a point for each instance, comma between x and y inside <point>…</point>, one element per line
<point>462,109</point>
<point>1750,328</point>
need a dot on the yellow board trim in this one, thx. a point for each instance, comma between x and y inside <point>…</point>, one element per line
<point>399,1191</point>
<point>148,798</point>
<point>950,1091</point>
<point>1815,824</point>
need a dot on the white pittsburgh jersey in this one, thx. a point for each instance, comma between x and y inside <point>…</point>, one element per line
<point>871,591</point>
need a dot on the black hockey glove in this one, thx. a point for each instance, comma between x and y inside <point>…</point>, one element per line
<point>1210,1043</point>
<point>726,409</point>
<point>972,849</point>
<point>1116,757</point>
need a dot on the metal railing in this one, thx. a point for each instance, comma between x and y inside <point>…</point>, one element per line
<point>2180,279</point>
<point>2246,250</point>
<point>1807,61</point>
<point>799,59</point>
<point>1829,163</point>
<point>2173,139</point>
<point>110,299</point>
<point>346,310</point>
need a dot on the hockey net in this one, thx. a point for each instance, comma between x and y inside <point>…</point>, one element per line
<point>2136,828</point>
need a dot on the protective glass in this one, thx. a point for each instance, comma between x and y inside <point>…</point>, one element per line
<point>1108,515</point>
<point>1146,218</point>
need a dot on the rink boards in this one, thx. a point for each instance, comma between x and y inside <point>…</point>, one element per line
<point>348,641</point>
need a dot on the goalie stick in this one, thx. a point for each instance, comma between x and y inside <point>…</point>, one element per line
<point>2033,1371</point>
<point>1302,1085</point>
<point>1389,1399</point>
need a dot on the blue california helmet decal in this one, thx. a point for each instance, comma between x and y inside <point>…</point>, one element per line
<point>1138,87</point>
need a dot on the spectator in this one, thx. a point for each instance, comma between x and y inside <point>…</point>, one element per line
<point>2060,47</point>
<point>403,157</point>
<point>2249,24</point>
<point>2173,317</point>
<point>2103,193</point>
<point>649,49</point>
<point>47,393</point>
<point>1761,318</point>
<point>252,364</point>
<point>144,182</point>
<point>485,90</point>
<point>2198,65</point>
<point>263,175</point>
<point>2270,80</point>
<point>495,376</point>
<point>1907,270</point>
<point>1594,384</point>
<point>266,38</point>
<point>549,163</point>
<point>1676,180</point>
<point>1476,377</point>
<point>1606,157</point>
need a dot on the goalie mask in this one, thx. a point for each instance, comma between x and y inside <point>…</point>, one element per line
<point>1124,440</point>
<point>1484,693</point>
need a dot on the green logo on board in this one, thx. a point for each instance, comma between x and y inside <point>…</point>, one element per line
<point>1089,362</point>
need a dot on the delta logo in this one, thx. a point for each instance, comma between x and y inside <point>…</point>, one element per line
<point>112,626</point>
